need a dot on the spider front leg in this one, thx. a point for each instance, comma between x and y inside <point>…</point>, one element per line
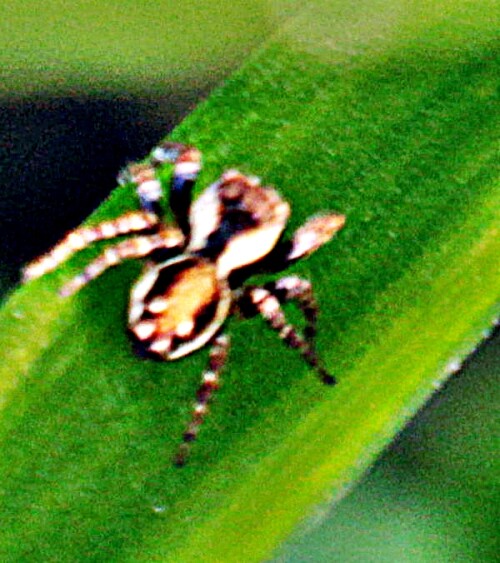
<point>148,187</point>
<point>187,165</point>
<point>209,384</point>
<point>267,301</point>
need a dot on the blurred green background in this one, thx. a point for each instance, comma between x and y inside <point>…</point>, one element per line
<point>86,87</point>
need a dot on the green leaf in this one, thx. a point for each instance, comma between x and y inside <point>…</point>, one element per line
<point>384,111</point>
<point>432,496</point>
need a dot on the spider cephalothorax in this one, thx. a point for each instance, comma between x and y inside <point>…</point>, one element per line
<point>193,280</point>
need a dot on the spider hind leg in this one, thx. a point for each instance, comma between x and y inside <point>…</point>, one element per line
<point>139,247</point>
<point>82,237</point>
<point>209,384</point>
<point>267,302</point>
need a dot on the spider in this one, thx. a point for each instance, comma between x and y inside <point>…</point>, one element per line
<point>194,277</point>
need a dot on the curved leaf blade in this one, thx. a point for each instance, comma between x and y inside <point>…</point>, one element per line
<point>401,136</point>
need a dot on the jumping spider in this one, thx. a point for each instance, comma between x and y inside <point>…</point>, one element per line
<point>193,280</point>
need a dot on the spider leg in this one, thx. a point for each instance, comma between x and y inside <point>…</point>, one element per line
<point>187,166</point>
<point>148,187</point>
<point>267,301</point>
<point>209,384</point>
<point>82,237</point>
<point>315,232</point>
<point>298,289</point>
<point>137,247</point>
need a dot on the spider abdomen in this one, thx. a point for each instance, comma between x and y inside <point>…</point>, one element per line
<point>177,306</point>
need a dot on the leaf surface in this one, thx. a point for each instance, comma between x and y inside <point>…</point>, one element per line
<point>382,111</point>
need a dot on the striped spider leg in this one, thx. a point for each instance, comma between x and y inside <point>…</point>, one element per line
<point>168,238</point>
<point>267,300</point>
<point>209,384</point>
<point>82,237</point>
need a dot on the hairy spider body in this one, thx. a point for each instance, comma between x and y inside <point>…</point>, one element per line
<point>194,279</point>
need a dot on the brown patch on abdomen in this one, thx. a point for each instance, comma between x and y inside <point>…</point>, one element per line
<point>192,290</point>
